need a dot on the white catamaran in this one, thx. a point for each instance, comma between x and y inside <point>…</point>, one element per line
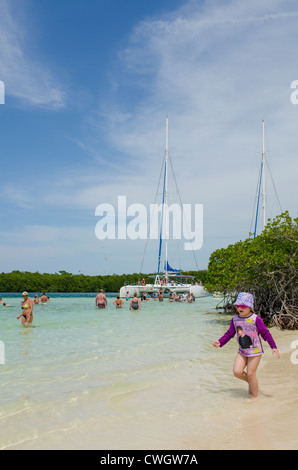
<point>169,280</point>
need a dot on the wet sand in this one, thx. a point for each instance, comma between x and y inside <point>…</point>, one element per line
<point>271,421</point>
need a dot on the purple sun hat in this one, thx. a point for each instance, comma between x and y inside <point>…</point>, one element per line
<point>244,298</point>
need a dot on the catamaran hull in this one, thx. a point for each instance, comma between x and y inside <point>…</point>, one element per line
<point>196,290</point>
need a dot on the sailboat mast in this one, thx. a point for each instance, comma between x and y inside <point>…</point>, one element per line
<point>264,177</point>
<point>166,196</point>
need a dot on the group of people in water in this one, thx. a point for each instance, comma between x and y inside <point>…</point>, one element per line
<point>173,296</point>
<point>135,301</point>
<point>27,306</point>
<point>100,302</point>
<point>43,299</point>
<point>5,304</point>
<point>247,324</point>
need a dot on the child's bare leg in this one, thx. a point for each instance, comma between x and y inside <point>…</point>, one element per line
<point>252,365</point>
<point>239,366</point>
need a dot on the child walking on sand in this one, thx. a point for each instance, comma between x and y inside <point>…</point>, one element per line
<point>248,327</point>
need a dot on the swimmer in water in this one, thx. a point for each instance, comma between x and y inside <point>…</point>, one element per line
<point>44,299</point>
<point>118,302</point>
<point>27,313</point>
<point>135,303</point>
<point>160,296</point>
<point>101,300</point>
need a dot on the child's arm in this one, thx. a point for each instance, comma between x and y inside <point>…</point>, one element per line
<point>226,337</point>
<point>266,335</point>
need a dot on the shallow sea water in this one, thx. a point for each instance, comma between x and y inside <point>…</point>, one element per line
<point>84,378</point>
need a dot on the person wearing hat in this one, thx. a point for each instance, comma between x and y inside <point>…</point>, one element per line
<point>27,307</point>
<point>249,327</point>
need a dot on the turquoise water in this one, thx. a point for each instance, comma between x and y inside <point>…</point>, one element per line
<point>73,344</point>
<point>81,377</point>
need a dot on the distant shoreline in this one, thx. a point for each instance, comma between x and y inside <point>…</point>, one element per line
<point>64,282</point>
<point>55,294</point>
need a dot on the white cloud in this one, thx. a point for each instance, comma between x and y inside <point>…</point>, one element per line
<point>29,81</point>
<point>33,247</point>
<point>217,70</point>
<point>18,196</point>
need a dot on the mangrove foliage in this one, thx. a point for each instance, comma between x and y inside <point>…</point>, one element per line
<point>18,281</point>
<point>266,266</point>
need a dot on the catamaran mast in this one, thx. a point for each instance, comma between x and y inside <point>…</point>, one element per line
<point>164,213</point>
<point>264,177</point>
<point>166,197</point>
<point>262,185</point>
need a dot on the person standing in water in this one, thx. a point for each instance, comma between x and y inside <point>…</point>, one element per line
<point>101,300</point>
<point>44,299</point>
<point>118,302</point>
<point>27,313</point>
<point>135,303</point>
<point>248,327</point>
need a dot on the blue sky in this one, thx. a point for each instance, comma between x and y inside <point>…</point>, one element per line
<point>88,85</point>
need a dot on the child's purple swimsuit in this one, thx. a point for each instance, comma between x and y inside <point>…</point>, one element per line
<point>248,330</point>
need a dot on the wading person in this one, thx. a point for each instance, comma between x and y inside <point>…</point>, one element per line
<point>101,300</point>
<point>135,303</point>
<point>118,302</point>
<point>27,310</point>
<point>249,327</point>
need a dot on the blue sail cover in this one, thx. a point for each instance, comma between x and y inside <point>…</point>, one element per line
<point>168,268</point>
